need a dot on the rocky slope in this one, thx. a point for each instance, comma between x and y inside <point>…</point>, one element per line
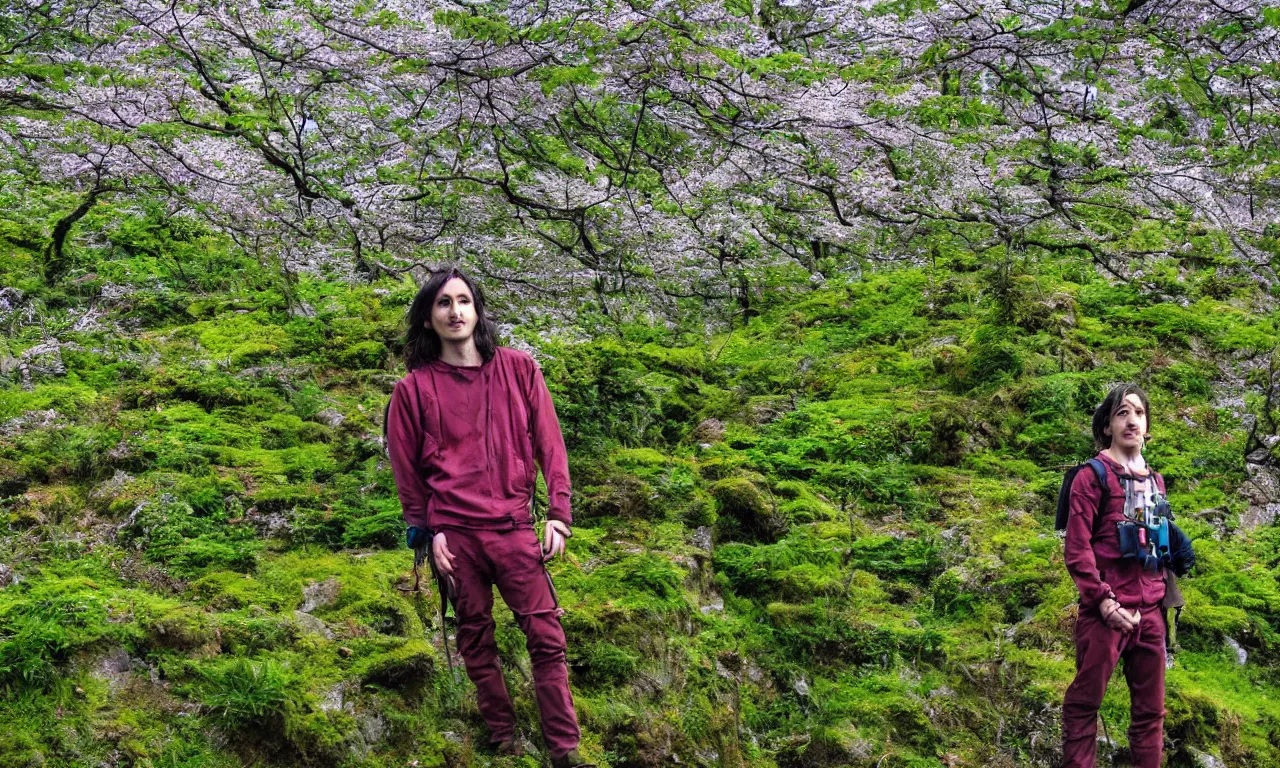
<point>820,536</point>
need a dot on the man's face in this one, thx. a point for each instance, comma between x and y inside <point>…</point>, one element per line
<point>453,315</point>
<point>1129,424</point>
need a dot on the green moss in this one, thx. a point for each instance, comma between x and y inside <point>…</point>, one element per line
<point>743,510</point>
<point>225,590</point>
<point>880,506</point>
<point>180,628</point>
<point>364,354</point>
<point>319,737</point>
<point>404,665</point>
<point>603,663</point>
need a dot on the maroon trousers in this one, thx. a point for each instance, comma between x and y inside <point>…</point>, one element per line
<point>512,559</point>
<point>1098,648</point>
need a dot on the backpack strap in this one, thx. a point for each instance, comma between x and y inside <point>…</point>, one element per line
<point>1100,471</point>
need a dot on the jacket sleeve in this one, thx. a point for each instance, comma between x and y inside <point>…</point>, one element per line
<point>1182,556</point>
<point>1081,564</point>
<point>404,444</point>
<point>548,446</point>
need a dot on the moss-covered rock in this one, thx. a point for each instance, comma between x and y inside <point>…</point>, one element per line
<point>407,664</point>
<point>744,511</point>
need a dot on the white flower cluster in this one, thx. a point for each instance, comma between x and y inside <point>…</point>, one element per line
<point>661,147</point>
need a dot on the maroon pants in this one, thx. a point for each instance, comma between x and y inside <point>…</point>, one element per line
<point>512,560</point>
<point>1098,647</point>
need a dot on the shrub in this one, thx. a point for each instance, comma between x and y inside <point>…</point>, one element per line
<point>914,559</point>
<point>992,357</point>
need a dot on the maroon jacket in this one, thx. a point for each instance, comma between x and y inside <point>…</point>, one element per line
<point>463,441</point>
<point>1093,546</point>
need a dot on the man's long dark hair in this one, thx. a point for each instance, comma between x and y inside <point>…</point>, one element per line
<point>1108,407</point>
<point>422,343</point>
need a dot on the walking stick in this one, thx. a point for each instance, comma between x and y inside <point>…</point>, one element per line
<point>444,586</point>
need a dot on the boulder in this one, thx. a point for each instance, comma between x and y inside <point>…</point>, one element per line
<point>320,594</point>
<point>311,625</point>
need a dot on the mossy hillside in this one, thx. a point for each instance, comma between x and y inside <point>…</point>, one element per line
<point>854,564</point>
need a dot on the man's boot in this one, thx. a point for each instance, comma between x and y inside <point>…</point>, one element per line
<point>571,760</point>
<point>512,747</point>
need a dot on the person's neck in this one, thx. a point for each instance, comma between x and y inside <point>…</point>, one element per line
<point>1131,460</point>
<point>461,353</point>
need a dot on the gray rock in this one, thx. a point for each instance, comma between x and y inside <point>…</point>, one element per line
<point>114,668</point>
<point>1241,654</point>
<point>320,594</point>
<point>330,416</point>
<point>801,686</point>
<point>709,431</point>
<point>1206,760</point>
<point>1262,489</point>
<point>335,699</point>
<point>1259,456</point>
<point>860,750</point>
<point>109,489</point>
<point>724,671</point>
<point>311,625</point>
<point>702,538</point>
<point>1259,515</point>
<point>372,727</point>
<point>274,525</point>
<point>716,605</point>
<point>31,420</point>
<point>8,576</point>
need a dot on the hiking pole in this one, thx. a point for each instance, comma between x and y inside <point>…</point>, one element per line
<point>1107,733</point>
<point>420,555</point>
<point>1105,730</point>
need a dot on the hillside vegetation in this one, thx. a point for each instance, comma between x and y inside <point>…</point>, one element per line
<point>824,291</point>
<point>819,536</point>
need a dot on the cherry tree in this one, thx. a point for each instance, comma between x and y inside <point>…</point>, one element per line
<point>676,150</point>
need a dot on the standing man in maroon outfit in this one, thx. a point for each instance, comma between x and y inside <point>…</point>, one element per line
<point>464,430</point>
<point>1120,601</point>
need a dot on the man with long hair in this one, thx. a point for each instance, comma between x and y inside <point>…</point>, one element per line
<point>464,429</point>
<point>1121,614</point>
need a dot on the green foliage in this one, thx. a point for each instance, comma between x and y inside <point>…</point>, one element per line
<point>913,559</point>
<point>856,560</point>
<point>42,626</point>
<point>171,532</point>
<point>993,357</point>
<point>242,693</point>
<point>603,663</point>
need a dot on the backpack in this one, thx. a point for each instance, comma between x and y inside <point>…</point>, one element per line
<point>1060,523</point>
<point>1064,493</point>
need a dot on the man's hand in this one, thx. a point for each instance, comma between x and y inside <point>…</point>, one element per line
<point>1117,617</point>
<point>440,552</point>
<point>554,535</point>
